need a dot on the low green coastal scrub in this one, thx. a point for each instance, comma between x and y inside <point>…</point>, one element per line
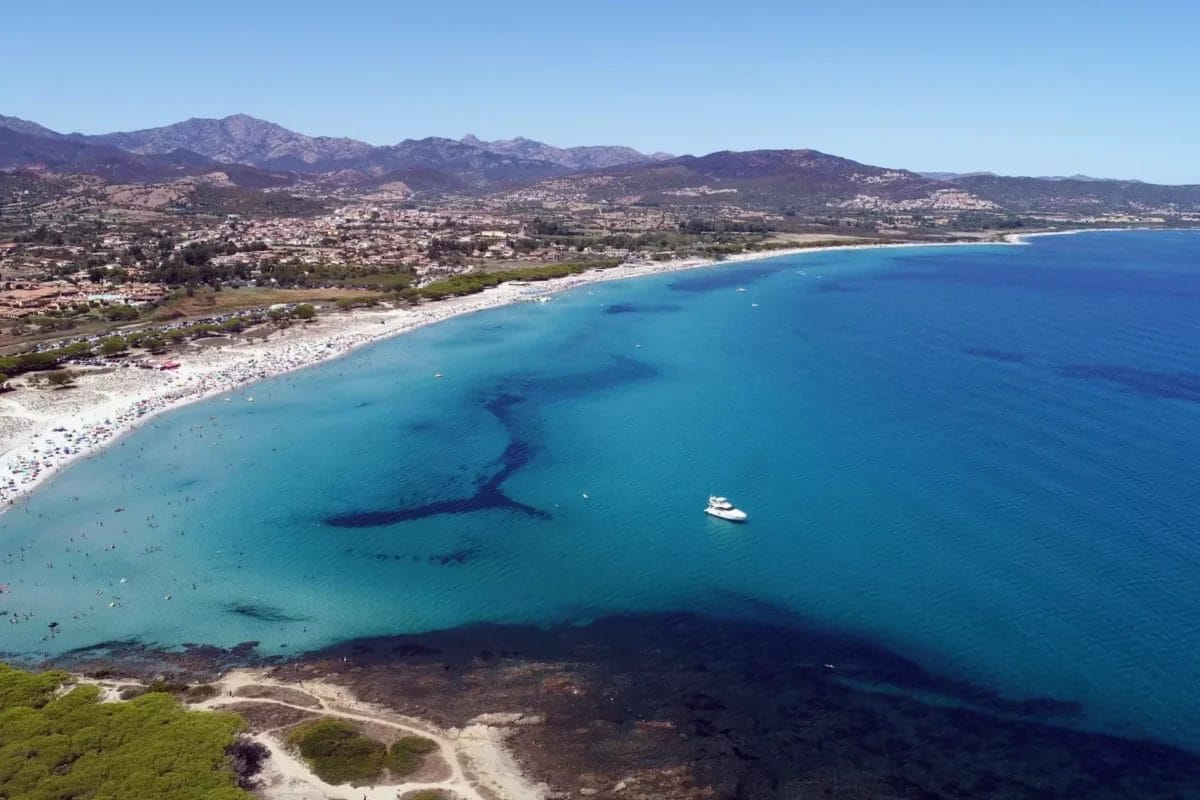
<point>62,743</point>
<point>473,282</point>
<point>408,754</point>
<point>426,794</point>
<point>338,752</point>
<point>416,744</point>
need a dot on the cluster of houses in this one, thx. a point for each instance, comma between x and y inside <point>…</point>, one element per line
<point>26,298</point>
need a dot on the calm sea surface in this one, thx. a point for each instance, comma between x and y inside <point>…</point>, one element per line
<point>981,458</point>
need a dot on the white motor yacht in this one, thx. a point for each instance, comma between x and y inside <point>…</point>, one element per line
<point>722,508</point>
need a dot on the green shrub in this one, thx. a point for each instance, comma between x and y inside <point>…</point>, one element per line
<point>408,754</point>
<point>403,762</point>
<point>200,693</point>
<point>167,687</point>
<point>417,744</point>
<point>426,794</point>
<point>120,313</point>
<point>60,377</point>
<point>338,752</point>
<point>113,345</point>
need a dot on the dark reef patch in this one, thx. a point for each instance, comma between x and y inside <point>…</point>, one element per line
<point>516,404</point>
<point>640,308</point>
<point>1145,382</point>
<point>757,710</point>
<point>727,277</point>
<point>149,661</point>
<point>262,613</point>
<point>114,648</point>
<point>488,494</point>
<point>460,556</point>
<point>1005,356</point>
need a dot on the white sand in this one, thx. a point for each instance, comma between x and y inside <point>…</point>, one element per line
<point>107,404</point>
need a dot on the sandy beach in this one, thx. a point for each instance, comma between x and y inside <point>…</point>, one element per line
<point>44,430</point>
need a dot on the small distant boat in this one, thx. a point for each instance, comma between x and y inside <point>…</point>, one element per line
<point>723,509</point>
<point>437,374</point>
<point>740,289</point>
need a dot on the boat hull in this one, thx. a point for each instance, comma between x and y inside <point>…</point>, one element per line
<point>732,515</point>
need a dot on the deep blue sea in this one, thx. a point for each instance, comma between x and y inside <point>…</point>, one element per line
<point>982,458</point>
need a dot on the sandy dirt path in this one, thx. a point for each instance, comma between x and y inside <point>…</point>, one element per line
<point>480,767</point>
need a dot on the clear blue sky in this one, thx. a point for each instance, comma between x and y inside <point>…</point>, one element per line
<point>1051,87</point>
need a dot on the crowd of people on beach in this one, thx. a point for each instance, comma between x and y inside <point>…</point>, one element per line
<point>56,439</point>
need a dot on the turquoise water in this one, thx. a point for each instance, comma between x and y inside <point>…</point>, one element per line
<point>981,458</point>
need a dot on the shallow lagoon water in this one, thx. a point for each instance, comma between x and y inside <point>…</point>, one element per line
<point>981,458</point>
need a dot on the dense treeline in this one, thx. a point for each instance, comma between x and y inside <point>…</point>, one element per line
<point>651,240</point>
<point>41,360</point>
<point>473,282</point>
<point>69,746</point>
<point>975,221</point>
<point>722,226</point>
<point>151,339</point>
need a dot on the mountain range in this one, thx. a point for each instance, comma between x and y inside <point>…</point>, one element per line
<point>58,153</point>
<point>433,163</point>
<point>253,153</point>
<point>573,158</point>
<point>763,179</point>
<point>237,139</point>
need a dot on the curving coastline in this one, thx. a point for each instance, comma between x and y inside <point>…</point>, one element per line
<point>42,432</point>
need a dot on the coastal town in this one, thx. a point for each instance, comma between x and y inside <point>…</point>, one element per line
<point>62,269</point>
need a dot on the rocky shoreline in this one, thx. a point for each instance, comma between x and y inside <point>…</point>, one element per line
<point>684,707</point>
